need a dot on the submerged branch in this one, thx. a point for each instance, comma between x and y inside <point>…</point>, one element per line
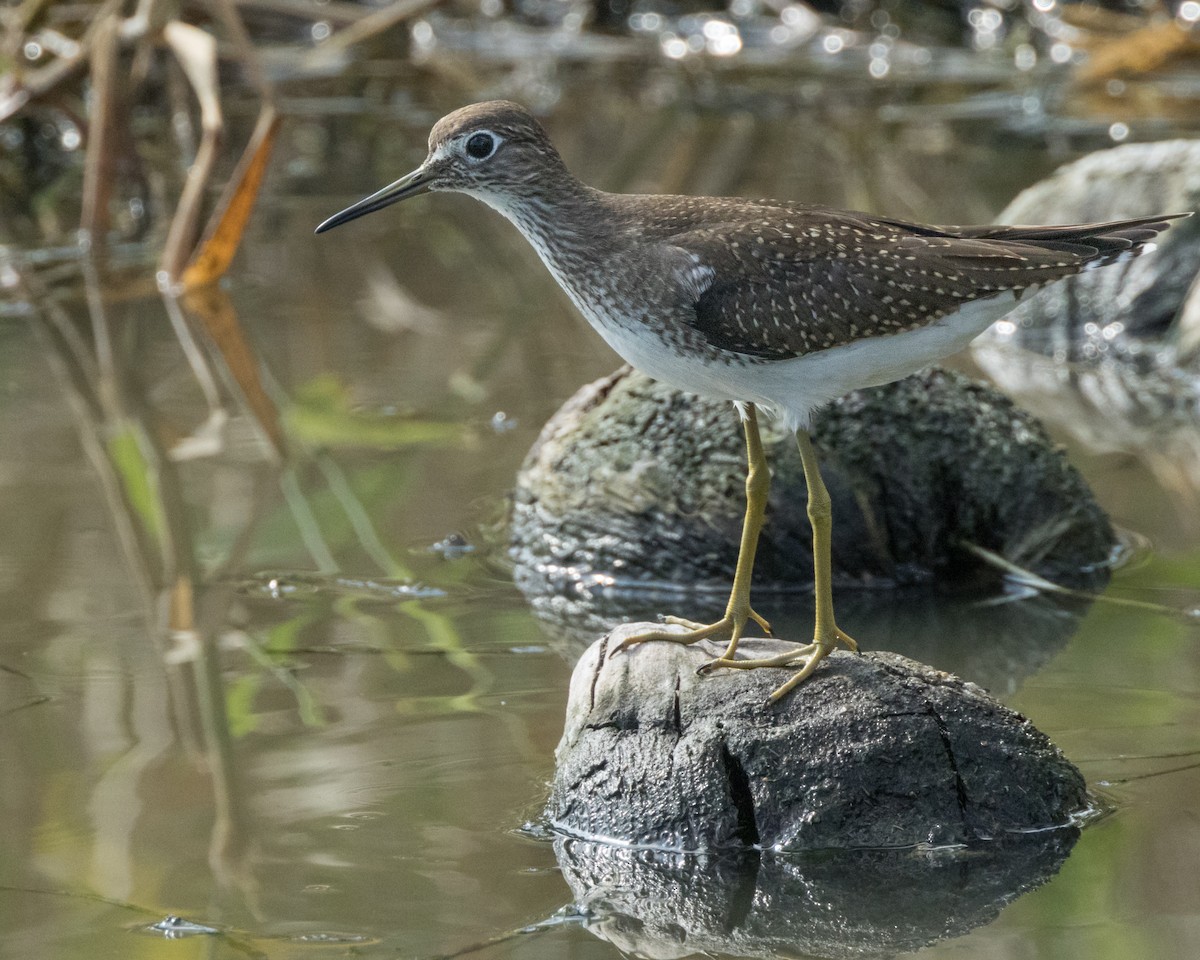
<point>1042,585</point>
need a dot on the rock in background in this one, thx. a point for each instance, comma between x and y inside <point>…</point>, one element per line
<point>633,484</point>
<point>1105,312</point>
<point>1112,356</point>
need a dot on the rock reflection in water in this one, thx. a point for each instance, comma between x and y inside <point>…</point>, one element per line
<point>995,641</point>
<point>862,903</point>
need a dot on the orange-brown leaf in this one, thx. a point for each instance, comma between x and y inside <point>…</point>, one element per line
<point>229,221</point>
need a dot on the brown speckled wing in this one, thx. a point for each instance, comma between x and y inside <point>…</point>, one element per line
<point>805,279</point>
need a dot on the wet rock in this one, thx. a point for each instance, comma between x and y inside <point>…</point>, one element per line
<point>1104,313</point>
<point>1112,356</point>
<point>872,751</point>
<point>849,903</point>
<point>633,485</point>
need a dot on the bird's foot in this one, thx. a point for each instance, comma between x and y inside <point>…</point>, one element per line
<point>730,625</point>
<point>807,658</point>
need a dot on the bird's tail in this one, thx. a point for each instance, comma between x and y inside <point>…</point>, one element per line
<point>1097,244</point>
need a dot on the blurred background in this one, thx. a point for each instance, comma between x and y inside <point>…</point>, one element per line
<point>266,686</point>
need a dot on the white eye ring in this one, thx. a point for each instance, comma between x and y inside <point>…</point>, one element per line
<point>481,145</point>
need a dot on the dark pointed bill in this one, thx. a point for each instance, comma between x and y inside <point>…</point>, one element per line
<point>409,186</point>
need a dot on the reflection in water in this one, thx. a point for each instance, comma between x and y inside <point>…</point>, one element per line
<point>192,611</point>
<point>1113,406</point>
<point>993,640</point>
<point>866,903</point>
<point>118,424</point>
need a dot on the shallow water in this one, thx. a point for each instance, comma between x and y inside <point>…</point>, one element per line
<point>333,747</point>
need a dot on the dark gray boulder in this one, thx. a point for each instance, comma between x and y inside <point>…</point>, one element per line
<point>633,485</point>
<point>872,751</point>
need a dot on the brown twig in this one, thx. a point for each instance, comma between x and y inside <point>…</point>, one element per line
<point>98,168</point>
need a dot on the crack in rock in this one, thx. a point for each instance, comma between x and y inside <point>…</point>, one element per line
<point>960,788</point>
<point>742,797</point>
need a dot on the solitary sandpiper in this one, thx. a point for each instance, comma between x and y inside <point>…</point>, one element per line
<point>766,303</point>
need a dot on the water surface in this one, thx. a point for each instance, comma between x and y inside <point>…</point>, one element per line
<point>273,699</point>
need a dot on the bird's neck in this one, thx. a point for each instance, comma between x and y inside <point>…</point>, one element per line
<point>558,215</point>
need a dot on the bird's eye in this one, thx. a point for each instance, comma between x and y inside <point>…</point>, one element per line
<point>481,146</point>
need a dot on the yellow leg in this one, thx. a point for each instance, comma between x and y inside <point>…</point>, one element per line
<point>738,611</point>
<point>826,633</point>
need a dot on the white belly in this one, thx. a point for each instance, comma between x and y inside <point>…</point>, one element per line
<point>795,389</point>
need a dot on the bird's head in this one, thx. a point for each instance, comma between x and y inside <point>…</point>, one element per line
<point>494,151</point>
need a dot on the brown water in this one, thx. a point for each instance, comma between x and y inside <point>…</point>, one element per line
<point>333,750</point>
